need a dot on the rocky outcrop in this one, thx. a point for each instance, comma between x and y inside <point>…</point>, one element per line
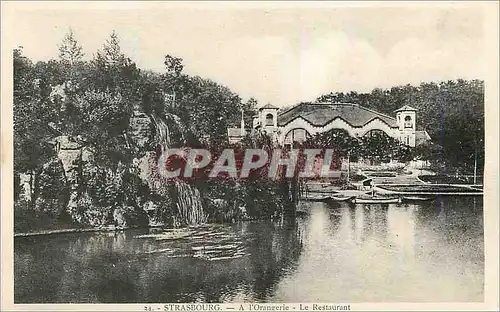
<point>53,188</point>
<point>70,152</point>
<point>25,187</point>
<point>140,131</point>
<point>43,199</point>
<point>90,195</point>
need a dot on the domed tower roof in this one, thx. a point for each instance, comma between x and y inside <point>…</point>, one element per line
<point>405,109</point>
<point>268,106</point>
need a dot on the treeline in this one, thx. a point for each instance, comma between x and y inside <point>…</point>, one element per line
<point>452,112</point>
<point>94,100</point>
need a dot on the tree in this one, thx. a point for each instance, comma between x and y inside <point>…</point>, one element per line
<point>112,70</point>
<point>402,152</point>
<point>70,51</point>
<point>174,81</point>
<point>249,110</point>
<point>71,67</point>
<point>103,118</point>
<point>342,144</point>
<point>111,51</point>
<point>32,115</point>
<point>151,92</point>
<point>206,108</point>
<point>377,146</point>
<point>173,65</point>
<point>429,152</point>
<point>336,139</point>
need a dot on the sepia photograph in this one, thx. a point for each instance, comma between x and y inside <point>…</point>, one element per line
<point>269,156</point>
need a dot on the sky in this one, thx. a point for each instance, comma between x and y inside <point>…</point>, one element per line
<point>278,53</point>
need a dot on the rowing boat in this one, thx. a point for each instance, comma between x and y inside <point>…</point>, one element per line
<point>342,198</point>
<point>416,198</point>
<point>316,197</point>
<point>376,200</point>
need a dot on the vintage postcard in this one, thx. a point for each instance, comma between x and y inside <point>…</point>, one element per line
<point>249,156</point>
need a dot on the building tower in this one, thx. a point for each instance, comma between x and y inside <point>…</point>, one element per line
<point>268,116</point>
<point>406,121</point>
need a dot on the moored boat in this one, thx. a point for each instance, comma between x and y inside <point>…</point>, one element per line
<point>342,198</point>
<point>377,200</point>
<point>316,197</point>
<point>415,198</point>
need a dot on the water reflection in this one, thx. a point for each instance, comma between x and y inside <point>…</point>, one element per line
<point>430,251</point>
<point>119,267</point>
<point>391,252</point>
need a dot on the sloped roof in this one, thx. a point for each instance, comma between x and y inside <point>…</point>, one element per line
<point>405,108</point>
<point>320,114</point>
<point>421,137</point>
<point>268,106</point>
<point>234,132</point>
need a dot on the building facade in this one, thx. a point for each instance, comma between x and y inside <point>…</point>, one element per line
<point>298,123</point>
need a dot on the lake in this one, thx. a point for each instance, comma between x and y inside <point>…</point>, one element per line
<point>426,252</point>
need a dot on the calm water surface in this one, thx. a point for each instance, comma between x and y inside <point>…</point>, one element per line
<point>424,252</point>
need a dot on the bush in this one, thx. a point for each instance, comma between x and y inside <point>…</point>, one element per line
<point>28,220</point>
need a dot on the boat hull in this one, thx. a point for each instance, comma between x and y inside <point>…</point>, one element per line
<point>317,198</point>
<point>415,198</point>
<point>376,200</point>
<point>346,198</point>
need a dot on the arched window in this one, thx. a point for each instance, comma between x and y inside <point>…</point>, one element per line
<point>297,135</point>
<point>269,120</point>
<point>408,123</point>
